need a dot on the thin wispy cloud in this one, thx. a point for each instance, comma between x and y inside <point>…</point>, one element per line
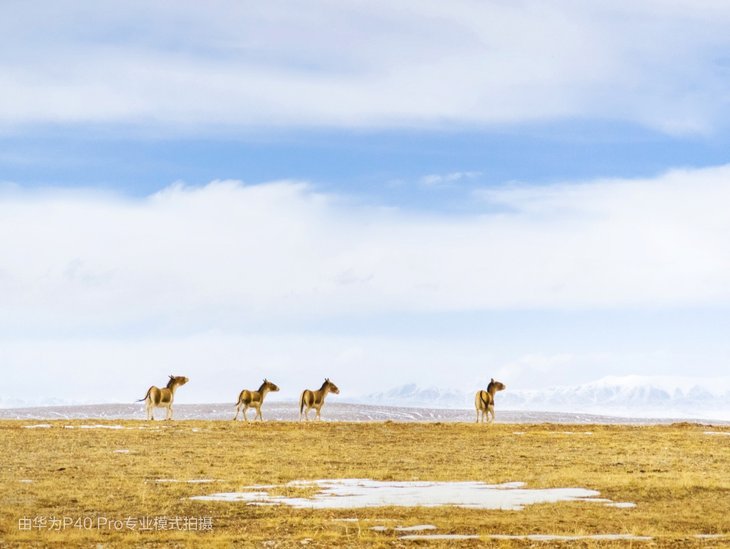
<point>436,180</point>
<point>188,67</point>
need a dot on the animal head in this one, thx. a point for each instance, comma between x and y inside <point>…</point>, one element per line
<point>497,385</point>
<point>331,386</point>
<point>269,386</point>
<point>177,380</point>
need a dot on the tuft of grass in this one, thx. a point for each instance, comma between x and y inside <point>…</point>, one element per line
<point>676,475</point>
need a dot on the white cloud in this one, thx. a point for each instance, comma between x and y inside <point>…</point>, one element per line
<point>283,250</point>
<point>435,180</point>
<point>465,63</point>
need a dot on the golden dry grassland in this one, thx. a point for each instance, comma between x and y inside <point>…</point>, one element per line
<point>678,476</point>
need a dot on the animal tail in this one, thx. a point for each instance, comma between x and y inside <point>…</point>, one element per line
<point>145,397</point>
<point>301,402</point>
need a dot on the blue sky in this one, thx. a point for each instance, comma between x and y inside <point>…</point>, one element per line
<point>385,165</point>
<point>374,192</point>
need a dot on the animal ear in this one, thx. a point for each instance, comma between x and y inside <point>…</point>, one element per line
<point>172,377</point>
<point>264,380</point>
<point>326,379</point>
<point>492,380</point>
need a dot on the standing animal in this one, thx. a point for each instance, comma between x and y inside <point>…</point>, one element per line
<point>315,399</point>
<point>162,398</point>
<point>484,400</point>
<point>254,399</point>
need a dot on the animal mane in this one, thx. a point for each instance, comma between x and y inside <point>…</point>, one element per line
<point>262,386</point>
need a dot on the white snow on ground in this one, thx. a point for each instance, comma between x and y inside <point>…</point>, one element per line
<point>553,537</point>
<point>414,528</point>
<point>360,493</point>
<point>436,537</point>
<point>332,411</point>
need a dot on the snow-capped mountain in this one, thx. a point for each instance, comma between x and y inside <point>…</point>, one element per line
<point>412,394</point>
<point>629,396</point>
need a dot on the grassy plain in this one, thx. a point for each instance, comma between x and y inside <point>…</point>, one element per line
<point>678,476</point>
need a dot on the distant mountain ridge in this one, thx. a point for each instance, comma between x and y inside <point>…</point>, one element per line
<point>640,396</point>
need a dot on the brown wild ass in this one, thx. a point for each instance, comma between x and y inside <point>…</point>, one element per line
<point>315,399</point>
<point>254,399</point>
<point>162,398</point>
<point>484,400</point>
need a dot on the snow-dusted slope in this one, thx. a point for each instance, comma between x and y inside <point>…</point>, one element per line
<point>414,395</point>
<point>635,396</point>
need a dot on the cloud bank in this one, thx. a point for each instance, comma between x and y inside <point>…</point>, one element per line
<point>185,66</point>
<point>284,249</point>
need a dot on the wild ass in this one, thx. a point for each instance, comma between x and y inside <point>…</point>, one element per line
<point>315,399</point>
<point>162,398</point>
<point>484,400</point>
<point>254,399</point>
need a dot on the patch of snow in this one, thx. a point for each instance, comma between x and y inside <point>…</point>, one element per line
<point>359,493</point>
<point>415,528</point>
<point>434,537</point>
<point>556,537</point>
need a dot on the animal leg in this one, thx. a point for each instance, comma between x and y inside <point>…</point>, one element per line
<point>258,414</point>
<point>238,410</point>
